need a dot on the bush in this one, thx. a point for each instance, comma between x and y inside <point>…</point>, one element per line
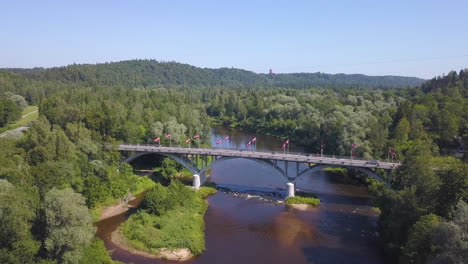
<point>303,198</point>
<point>206,191</point>
<point>172,218</point>
<point>173,230</point>
<point>160,199</point>
<point>96,252</point>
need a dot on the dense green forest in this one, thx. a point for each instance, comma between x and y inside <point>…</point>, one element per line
<point>149,73</point>
<point>67,162</point>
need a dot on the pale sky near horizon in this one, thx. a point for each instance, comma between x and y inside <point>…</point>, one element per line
<point>410,38</point>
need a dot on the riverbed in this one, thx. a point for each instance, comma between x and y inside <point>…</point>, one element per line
<point>244,229</point>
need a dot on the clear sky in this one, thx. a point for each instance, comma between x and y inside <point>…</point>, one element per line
<point>398,37</point>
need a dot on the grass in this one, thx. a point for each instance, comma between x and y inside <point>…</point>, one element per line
<point>206,191</point>
<point>303,198</point>
<point>24,120</point>
<point>180,225</point>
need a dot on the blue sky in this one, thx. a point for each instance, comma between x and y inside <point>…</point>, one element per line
<point>411,38</point>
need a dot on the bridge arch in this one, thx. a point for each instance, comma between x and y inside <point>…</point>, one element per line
<point>181,160</point>
<point>366,171</point>
<point>260,161</point>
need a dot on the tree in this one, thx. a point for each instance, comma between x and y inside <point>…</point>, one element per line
<point>69,225</point>
<point>156,130</point>
<point>17,208</point>
<point>450,238</point>
<point>402,131</point>
<point>17,99</point>
<point>177,130</point>
<point>9,112</point>
<point>418,246</point>
<point>96,252</point>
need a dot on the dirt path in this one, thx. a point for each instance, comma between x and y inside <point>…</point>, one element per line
<point>29,113</point>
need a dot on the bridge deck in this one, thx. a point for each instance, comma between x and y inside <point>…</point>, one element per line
<point>279,156</point>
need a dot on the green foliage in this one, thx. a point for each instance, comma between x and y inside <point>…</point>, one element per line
<point>206,191</point>
<point>418,246</point>
<point>173,230</point>
<point>173,218</point>
<point>9,112</point>
<point>96,253</point>
<point>69,225</point>
<point>17,208</point>
<point>87,109</point>
<point>303,198</point>
<point>450,238</point>
<point>160,199</point>
<point>145,73</point>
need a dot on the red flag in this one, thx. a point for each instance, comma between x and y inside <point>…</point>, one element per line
<point>196,136</point>
<point>250,142</point>
<point>219,141</point>
<point>157,139</point>
<point>226,138</point>
<point>394,155</point>
<point>188,140</point>
<point>354,146</point>
<point>168,135</point>
<point>390,149</point>
<point>284,146</point>
<point>287,141</point>
<point>254,139</point>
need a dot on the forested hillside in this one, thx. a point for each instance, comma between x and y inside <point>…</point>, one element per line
<point>68,162</point>
<point>149,73</point>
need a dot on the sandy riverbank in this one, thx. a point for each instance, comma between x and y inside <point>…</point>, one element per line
<point>300,207</point>
<point>181,254</point>
<point>116,209</point>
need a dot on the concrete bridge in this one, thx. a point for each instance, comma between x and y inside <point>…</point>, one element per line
<point>196,160</point>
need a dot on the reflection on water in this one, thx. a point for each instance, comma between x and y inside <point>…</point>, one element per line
<point>342,229</point>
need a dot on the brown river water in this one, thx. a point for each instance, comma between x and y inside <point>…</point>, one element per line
<point>247,229</point>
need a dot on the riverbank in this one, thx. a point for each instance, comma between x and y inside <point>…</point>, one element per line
<point>181,254</point>
<point>116,209</point>
<point>169,226</point>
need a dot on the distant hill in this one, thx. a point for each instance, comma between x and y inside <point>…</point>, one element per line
<point>147,73</point>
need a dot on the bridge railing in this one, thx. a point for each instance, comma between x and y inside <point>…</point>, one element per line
<point>254,151</point>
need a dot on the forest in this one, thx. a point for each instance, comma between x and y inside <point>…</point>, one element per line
<point>148,73</point>
<point>67,162</point>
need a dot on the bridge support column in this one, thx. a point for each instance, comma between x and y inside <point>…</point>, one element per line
<point>290,189</point>
<point>196,181</point>
<point>389,176</point>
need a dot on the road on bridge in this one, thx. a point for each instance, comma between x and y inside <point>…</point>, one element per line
<point>278,156</point>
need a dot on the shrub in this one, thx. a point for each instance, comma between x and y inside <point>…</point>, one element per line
<point>303,198</point>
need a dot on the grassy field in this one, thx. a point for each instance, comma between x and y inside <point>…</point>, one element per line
<point>29,114</point>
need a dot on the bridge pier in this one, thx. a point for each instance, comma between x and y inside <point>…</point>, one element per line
<point>290,189</point>
<point>196,181</point>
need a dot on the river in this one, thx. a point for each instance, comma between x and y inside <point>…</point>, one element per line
<point>239,229</point>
